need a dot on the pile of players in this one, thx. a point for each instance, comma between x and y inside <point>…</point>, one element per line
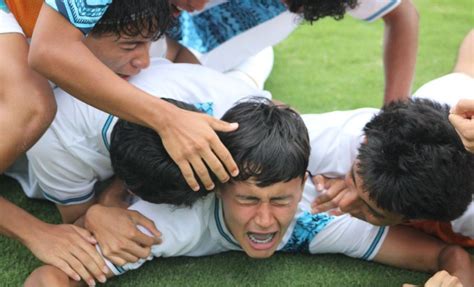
<point>156,99</point>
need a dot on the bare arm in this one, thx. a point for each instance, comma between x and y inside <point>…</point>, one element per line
<point>405,247</point>
<point>177,53</point>
<point>400,48</point>
<point>189,137</point>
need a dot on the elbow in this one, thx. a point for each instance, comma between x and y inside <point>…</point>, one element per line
<point>39,56</point>
<point>457,262</point>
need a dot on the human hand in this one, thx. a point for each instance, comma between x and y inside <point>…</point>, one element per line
<point>69,248</point>
<point>461,118</point>
<point>440,279</point>
<point>191,141</point>
<point>332,190</point>
<point>125,244</point>
<point>189,5</point>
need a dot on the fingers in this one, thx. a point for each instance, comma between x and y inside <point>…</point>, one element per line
<point>464,106</point>
<point>223,126</point>
<point>61,264</point>
<point>188,174</point>
<point>202,172</point>
<point>465,129</point>
<point>443,279</point>
<point>86,235</point>
<point>142,238</point>
<point>79,268</point>
<point>319,182</point>
<point>223,156</point>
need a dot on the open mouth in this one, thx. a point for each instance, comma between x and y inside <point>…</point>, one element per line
<point>125,77</point>
<point>261,241</point>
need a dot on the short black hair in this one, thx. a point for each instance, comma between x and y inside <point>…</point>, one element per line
<point>414,163</point>
<point>271,145</point>
<point>146,18</point>
<point>313,10</point>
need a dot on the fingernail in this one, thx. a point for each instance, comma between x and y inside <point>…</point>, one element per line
<point>91,282</point>
<point>210,187</point>
<point>320,187</point>
<point>196,188</point>
<point>235,172</point>
<point>102,279</point>
<point>234,125</point>
<point>105,269</point>
<point>77,277</point>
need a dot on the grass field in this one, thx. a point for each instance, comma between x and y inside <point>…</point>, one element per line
<point>327,66</point>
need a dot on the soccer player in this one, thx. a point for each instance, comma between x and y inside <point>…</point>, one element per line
<point>252,26</point>
<point>406,165</point>
<point>261,211</point>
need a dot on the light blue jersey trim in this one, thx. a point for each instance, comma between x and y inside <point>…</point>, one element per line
<point>374,244</point>
<point>219,225</point>
<point>105,128</point>
<point>83,14</point>
<point>381,11</point>
<point>76,200</point>
<point>4,7</point>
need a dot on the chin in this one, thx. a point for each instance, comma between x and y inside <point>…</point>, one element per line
<point>259,254</point>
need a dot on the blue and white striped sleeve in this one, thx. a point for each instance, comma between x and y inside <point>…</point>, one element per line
<point>371,10</point>
<point>83,14</point>
<point>349,236</point>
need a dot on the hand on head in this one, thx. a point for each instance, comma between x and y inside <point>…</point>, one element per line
<point>461,118</point>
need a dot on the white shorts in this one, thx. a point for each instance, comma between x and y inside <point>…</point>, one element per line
<point>448,89</point>
<point>8,23</point>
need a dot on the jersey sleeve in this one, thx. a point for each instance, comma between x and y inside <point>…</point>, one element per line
<point>349,236</point>
<point>63,178</point>
<point>82,14</point>
<point>371,10</point>
<point>181,230</point>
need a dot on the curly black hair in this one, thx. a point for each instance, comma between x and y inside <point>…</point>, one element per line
<point>413,162</point>
<point>313,10</point>
<point>146,18</point>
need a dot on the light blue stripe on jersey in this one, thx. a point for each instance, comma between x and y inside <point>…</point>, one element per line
<point>105,128</point>
<point>374,244</point>
<point>83,14</point>
<point>4,6</point>
<point>306,227</point>
<point>209,29</point>
<point>378,13</point>
<point>219,225</point>
<point>75,200</point>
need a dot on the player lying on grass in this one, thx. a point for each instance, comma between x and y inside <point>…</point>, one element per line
<point>410,165</point>
<point>261,211</point>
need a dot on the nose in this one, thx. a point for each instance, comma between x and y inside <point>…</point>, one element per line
<point>142,58</point>
<point>264,218</point>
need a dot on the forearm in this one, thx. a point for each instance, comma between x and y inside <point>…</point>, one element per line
<point>58,53</point>
<point>400,49</point>
<point>17,223</point>
<point>459,263</point>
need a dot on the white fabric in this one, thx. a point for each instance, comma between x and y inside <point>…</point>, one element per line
<point>194,232</point>
<point>235,50</point>
<point>72,155</point>
<point>8,24</point>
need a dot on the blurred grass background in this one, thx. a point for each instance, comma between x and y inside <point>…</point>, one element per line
<point>321,67</point>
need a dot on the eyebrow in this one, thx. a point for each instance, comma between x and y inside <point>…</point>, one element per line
<point>373,211</point>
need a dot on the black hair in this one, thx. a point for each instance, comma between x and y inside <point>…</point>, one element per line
<point>271,145</point>
<point>146,18</point>
<point>139,158</point>
<point>413,162</point>
<point>313,10</point>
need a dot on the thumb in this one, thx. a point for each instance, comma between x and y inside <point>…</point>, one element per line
<point>464,107</point>
<point>86,235</point>
<point>459,122</point>
<point>318,181</point>
<point>140,219</point>
<point>223,126</point>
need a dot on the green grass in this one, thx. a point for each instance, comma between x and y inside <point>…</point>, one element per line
<point>330,65</point>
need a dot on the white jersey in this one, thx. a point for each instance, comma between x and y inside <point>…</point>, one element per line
<point>251,26</point>
<point>200,230</point>
<point>73,155</point>
<point>336,137</point>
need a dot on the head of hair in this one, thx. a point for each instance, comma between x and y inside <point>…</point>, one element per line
<point>414,163</point>
<point>313,10</point>
<point>271,145</point>
<point>132,18</point>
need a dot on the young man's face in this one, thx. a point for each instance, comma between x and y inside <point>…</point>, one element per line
<point>258,217</point>
<point>358,204</point>
<point>126,56</point>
